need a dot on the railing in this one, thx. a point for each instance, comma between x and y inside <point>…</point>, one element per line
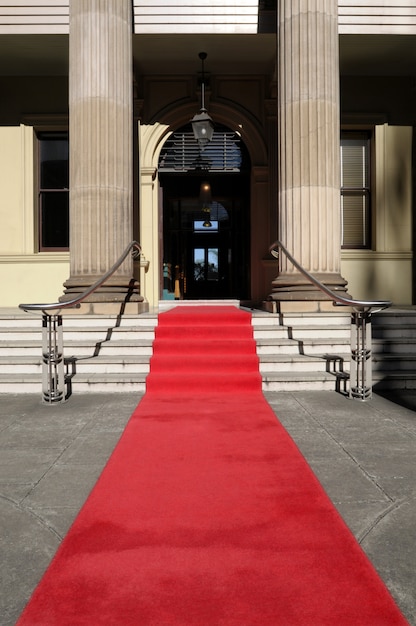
<point>53,375</point>
<point>361,375</point>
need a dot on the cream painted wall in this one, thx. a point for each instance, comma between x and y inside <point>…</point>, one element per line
<point>393,219</point>
<point>12,197</point>
<point>25,275</point>
<point>32,278</point>
<point>379,276</point>
<point>386,271</point>
<point>151,138</point>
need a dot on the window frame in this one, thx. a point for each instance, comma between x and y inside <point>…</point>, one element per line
<point>39,191</point>
<point>365,191</point>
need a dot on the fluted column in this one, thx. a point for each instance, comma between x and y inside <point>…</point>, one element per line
<point>309,146</point>
<point>100,137</point>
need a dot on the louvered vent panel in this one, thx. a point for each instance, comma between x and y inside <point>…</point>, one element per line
<point>181,153</point>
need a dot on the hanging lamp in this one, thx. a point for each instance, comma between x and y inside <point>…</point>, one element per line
<point>202,124</point>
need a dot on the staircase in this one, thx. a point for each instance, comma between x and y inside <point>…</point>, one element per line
<point>102,353</point>
<point>299,351</point>
<point>394,349</point>
<point>303,351</point>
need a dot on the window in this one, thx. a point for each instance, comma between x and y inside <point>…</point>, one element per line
<point>355,189</point>
<point>53,191</point>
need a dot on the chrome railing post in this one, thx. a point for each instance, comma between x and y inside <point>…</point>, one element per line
<point>53,374</point>
<point>361,383</point>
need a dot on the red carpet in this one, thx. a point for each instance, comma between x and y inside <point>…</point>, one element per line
<point>206,513</point>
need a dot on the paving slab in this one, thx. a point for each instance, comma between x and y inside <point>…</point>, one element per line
<point>51,456</point>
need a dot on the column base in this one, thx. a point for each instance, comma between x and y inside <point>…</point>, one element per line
<point>304,295</point>
<point>115,290</point>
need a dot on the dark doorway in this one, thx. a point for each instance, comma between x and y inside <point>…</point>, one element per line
<point>205,222</point>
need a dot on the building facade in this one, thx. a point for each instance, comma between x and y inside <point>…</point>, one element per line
<point>313,106</point>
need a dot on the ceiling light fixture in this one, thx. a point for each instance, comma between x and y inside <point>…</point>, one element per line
<point>202,124</point>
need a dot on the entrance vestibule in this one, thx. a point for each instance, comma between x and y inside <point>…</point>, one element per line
<point>206,224</point>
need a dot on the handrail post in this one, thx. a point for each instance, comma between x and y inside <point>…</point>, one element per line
<point>361,377</point>
<point>361,384</point>
<point>53,364</point>
<point>53,374</point>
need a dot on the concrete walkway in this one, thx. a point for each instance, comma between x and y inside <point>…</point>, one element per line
<point>51,456</point>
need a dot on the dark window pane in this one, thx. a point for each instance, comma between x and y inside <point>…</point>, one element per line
<point>53,190</point>
<point>54,175</point>
<point>54,209</point>
<point>54,161</point>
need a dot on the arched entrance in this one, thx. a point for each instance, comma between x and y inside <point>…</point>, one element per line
<point>206,216</point>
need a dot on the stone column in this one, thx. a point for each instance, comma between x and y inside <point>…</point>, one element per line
<point>101,154</point>
<point>309,147</point>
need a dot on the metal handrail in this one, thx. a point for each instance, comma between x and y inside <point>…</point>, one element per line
<point>53,375</point>
<point>361,357</point>
<point>337,299</point>
<point>76,302</point>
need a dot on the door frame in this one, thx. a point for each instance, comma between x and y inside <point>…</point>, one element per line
<point>263,194</point>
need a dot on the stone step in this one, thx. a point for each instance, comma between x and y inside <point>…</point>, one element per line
<point>22,383</point>
<point>287,381</point>
<point>268,364</point>
<point>82,383</point>
<point>107,364</point>
<point>21,365</point>
<point>394,317</point>
<point>394,332</point>
<point>70,333</point>
<point>400,347</point>
<point>122,383</point>
<point>309,347</point>
<point>126,347</point>
<point>25,320</point>
<point>80,348</point>
<point>302,363</point>
<point>394,362</point>
<point>12,349</point>
<point>383,381</point>
<point>260,318</point>
<point>303,333</point>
